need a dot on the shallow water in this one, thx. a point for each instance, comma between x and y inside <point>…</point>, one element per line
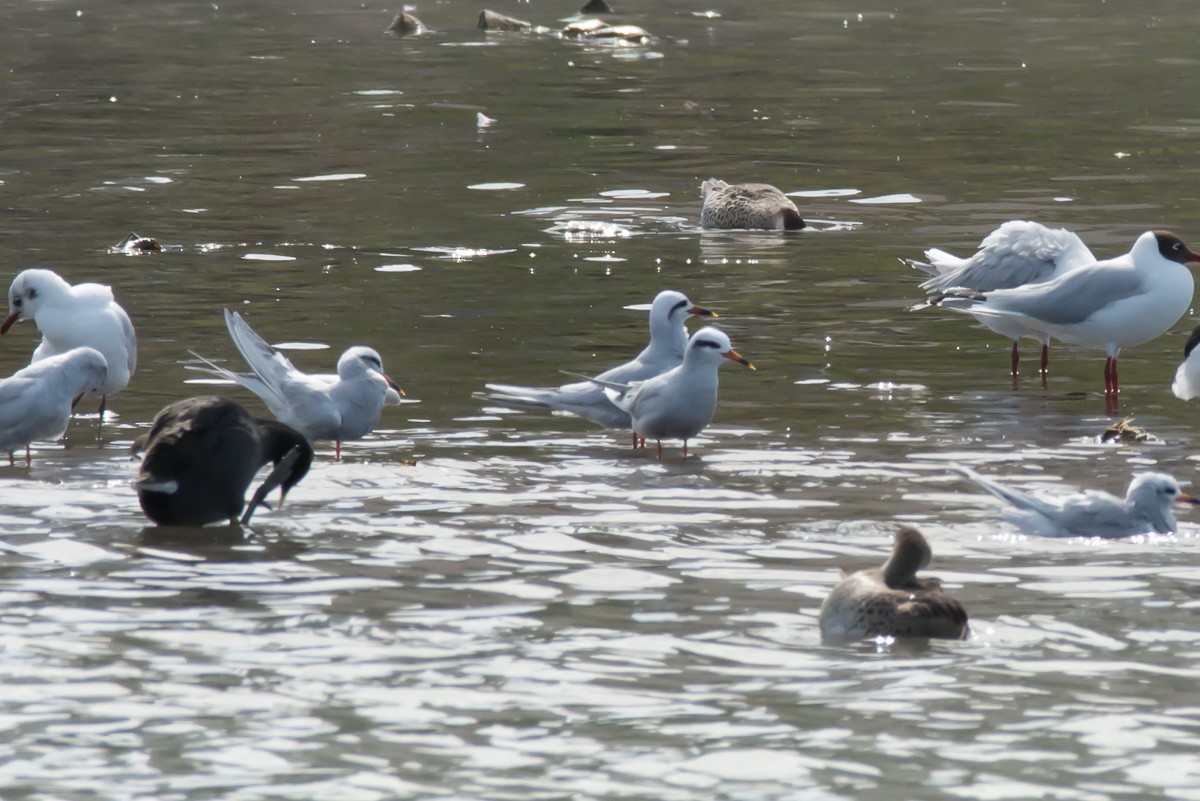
<point>481,603</point>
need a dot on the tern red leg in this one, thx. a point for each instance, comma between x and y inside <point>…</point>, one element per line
<point>1016,356</point>
<point>1045,366</point>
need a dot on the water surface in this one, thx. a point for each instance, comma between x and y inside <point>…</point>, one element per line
<point>481,603</point>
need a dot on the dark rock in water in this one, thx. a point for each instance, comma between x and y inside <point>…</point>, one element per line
<point>134,245</point>
<point>492,21</point>
<point>406,24</point>
<point>596,7</point>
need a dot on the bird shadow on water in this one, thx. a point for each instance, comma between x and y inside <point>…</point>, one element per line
<point>228,543</point>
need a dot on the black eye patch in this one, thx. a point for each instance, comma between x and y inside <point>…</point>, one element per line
<point>681,304</point>
<point>707,343</point>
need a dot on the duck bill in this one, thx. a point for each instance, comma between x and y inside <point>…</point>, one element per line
<point>700,311</point>
<point>8,322</point>
<point>1185,498</point>
<point>393,384</point>
<point>733,355</point>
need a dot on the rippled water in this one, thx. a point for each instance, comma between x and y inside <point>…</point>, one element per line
<point>481,603</point>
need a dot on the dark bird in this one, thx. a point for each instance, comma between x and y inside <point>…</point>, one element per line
<point>892,601</point>
<point>201,455</point>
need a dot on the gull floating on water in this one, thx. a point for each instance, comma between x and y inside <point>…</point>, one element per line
<point>36,401</point>
<point>338,407</point>
<point>746,206</point>
<point>1017,253</point>
<point>1111,304</point>
<point>1146,508</point>
<point>668,341</point>
<point>84,315</point>
<point>679,403</point>
<point>891,601</point>
<point>201,455</point>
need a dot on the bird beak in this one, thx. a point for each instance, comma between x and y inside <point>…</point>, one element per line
<point>393,384</point>
<point>1185,498</point>
<point>733,355</point>
<point>1192,257</point>
<point>8,322</point>
<point>700,311</point>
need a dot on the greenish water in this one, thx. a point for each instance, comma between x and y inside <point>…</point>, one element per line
<point>477,603</point>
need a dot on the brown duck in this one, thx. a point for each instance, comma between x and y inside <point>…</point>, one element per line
<point>891,600</point>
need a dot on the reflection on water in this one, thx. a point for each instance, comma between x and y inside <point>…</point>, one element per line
<point>486,603</point>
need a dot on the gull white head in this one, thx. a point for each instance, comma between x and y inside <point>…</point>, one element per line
<point>1152,495</point>
<point>361,360</point>
<point>709,346</point>
<point>669,310</point>
<point>28,291</point>
<point>1164,244</point>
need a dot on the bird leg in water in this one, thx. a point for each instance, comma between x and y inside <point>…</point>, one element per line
<point>276,477</point>
<point>1016,356</point>
<point>1045,365</point>
<point>685,449</point>
<point>337,450</point>
<point>658,446</point>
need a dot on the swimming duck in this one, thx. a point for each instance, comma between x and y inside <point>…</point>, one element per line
<point>891,601</point>
<point>743,206</point>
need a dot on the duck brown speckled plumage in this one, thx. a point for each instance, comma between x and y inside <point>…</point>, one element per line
<point>891,600</point>
<point>747,206</point>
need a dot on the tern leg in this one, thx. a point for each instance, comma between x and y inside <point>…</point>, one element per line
<point>1045,366</point>
<point>642,443</point>
<point>1016,356</point>
<point>685,449</point>
<point>103,409</point>
<point>635,439</point>
<point>658,444</point>
<point>28,458</point>
<point>11,462</point>
<point>337,449</point>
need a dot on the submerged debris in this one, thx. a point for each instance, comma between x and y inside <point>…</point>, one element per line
<point>1122,432</point>
<point>406,24</point>
<point>134,245</point>
<point>593,28</point>
<point>493,21</point>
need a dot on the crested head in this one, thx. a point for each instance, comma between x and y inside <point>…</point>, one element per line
<point>1153,495</point>
<point>910,553</point>
<point>1171,247</point>
<point>359,359</point>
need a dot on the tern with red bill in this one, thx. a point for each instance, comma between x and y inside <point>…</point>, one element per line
<point>338,407</point>
<point>1017,253</point>
<point>668,341</point>
<point>1145,509</point>
<point>36,401</point>
<point>1110,304</point>
<point>69,317</point>
<point>679,403</point>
